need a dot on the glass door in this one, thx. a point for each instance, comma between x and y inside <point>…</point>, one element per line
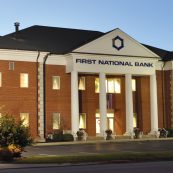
<point>110,122</point>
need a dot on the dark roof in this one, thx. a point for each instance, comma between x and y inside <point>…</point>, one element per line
<point>164,54</point>
<point>49,39</point>
<point>59,40</point>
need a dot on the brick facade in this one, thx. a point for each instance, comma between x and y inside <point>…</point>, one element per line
<point>18,100</point>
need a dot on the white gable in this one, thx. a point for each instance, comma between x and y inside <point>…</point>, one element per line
<point>124,45</point>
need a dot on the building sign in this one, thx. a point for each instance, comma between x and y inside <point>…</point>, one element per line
<point>111,65</point>
<point>114,63</point>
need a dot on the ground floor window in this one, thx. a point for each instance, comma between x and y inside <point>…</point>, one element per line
<point>25,118</point>
<point>56,121</point>
<point>82,120</point>
<point>134,120</point>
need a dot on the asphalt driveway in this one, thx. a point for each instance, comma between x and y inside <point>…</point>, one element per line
<point>97,147</point>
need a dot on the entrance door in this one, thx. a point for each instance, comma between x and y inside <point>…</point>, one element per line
<point>110,122</point>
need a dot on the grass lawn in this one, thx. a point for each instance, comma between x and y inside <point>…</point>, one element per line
<point>114,157</point>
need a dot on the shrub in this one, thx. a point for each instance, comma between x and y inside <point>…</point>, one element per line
<point>57,137</point>
<point>13,135</point>
<point>170,132</point>
<point>68,137</point>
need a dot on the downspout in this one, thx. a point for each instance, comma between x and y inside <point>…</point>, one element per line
<point>37,89</point>
<point>163,93</point>
<point>44,91</point>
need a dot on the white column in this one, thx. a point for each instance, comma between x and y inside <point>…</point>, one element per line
<point>129,104</point>
<point>153,103</point>
<point>74,102</point>
<point>102,104</point>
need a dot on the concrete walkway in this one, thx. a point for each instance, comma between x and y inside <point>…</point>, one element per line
<point>100,141</point>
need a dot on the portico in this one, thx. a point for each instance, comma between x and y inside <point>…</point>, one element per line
<point>102,71</point>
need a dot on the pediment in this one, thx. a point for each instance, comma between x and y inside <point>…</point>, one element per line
<point>116,42</point>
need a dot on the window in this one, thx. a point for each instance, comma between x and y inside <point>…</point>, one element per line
<point>56,121</point>
<point>133,85</point>
<point>25,118</point>
<point>24,80</point>
<point>97,86</point>
<point>113,85</point>
<point>81,83</point>
<point>0,79</point>
<point>11,66</point>
<point>134,120</point>
<point>55,82</point>
<point>82,121</point>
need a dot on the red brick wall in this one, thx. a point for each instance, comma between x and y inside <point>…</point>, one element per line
<point>167,98</point>
<point>58,100</point>
<point>18,100</point>
<point>160,99</point>
<point>15,99</point>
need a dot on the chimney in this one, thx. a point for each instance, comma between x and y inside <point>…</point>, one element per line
<point>16,24</point>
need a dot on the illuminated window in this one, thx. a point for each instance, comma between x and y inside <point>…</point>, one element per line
<point>81,83</point>
<point>55,82</point>
<point>113,85</point>
<point>24,80</point>
<point>0,79</point>
<point>110,86</point>
<point>56,121</point>
<point>133,85</point>
<point>82,121</point>
<point>97,86</point>
<point>134,120</point>
<point>25,118</point>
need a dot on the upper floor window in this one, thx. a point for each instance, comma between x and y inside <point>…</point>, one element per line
<point>11,66</point>
<point>24,80</point>
<point>81,83</point>
<point>113,85</point>
<point>55,82</point>
<point>133,84</point>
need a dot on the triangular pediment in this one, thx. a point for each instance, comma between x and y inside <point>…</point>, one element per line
<point>116,42</point>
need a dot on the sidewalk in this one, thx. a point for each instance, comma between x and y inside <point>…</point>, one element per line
<point>99,141</point>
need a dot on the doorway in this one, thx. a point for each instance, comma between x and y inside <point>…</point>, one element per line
<point>110,122</point>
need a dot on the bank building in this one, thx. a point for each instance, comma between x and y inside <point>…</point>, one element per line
<point>71,78</point>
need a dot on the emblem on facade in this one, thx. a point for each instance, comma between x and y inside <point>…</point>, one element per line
<point>118,43</point>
